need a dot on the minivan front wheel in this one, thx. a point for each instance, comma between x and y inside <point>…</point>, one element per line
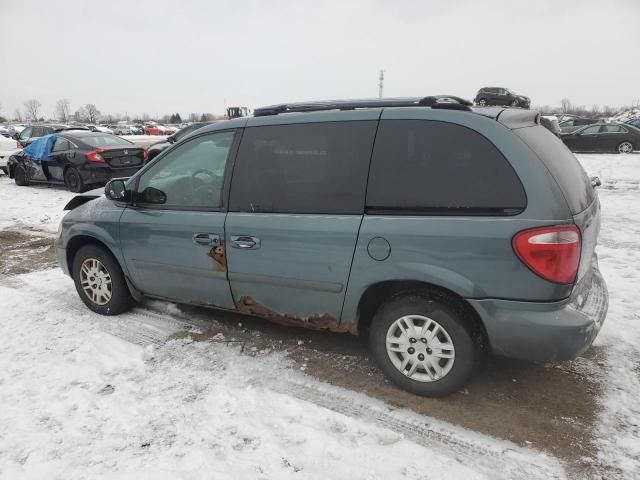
<point>422,343</point>
<point>625,147</point>
<point>482,102</point>
<point>100,282</point>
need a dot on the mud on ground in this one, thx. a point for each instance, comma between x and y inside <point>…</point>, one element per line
<point>23,252</point>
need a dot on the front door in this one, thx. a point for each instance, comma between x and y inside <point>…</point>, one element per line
<point>587,140</point>
<point>172,236</point>
<point>297,200</point>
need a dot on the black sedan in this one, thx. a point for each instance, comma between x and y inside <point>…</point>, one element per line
<point>77,159</point>
<point>155,148</point>
<point>603,137</point>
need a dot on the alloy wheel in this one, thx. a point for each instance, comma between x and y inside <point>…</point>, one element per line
<point>625,147</point>
<point>420,348</point>
<point>96,281</point>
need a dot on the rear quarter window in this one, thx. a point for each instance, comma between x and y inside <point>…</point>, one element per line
<point>432,167</point>
<point>563,165</point>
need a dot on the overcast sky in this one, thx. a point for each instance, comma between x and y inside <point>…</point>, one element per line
<point>186,56</point>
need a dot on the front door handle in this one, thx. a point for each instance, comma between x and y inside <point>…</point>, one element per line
<point>207,239</point>
<point>245,242</point>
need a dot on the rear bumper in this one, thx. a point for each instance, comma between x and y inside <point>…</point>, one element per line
<point>102,175</point>
<point>547,331</point>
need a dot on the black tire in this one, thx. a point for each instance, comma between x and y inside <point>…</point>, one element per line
<point>483,102</point>
<point>20,176</point>
<point>5,170</point>
<point>73,180</point>
<point>121,299</point>
<point>451,316</point>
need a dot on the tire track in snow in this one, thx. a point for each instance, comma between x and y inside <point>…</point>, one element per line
<point>495,458</point>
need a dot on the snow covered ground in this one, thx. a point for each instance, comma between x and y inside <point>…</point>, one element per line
<point>84,396</point>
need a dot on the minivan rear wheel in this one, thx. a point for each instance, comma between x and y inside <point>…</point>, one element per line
<point>423,344</point>
<point>625,147</point>
<point>482,102</point>
<point>100,282</point>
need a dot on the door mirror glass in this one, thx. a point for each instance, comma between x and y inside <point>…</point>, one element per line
<point>153,195</point>
<point>116,190</point>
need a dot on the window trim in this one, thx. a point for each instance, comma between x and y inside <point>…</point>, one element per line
<point>226,179</point>
<point>383,210</point>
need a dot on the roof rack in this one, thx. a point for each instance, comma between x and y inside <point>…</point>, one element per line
<point>446,102</point>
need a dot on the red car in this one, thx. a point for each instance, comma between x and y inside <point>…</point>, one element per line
<point>157,130</point>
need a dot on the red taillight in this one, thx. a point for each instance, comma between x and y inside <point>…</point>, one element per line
<point>550,252</point>
<point>94,156</point>
<point>18,145</point>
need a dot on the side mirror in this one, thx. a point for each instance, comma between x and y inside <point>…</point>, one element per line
<point>154,196</point>
<point>116,190</point>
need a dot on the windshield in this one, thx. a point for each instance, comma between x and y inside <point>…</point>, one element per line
<point>105,141</point>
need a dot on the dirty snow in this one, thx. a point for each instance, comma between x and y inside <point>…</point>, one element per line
<point>83,396</point>
<point>78,402</point>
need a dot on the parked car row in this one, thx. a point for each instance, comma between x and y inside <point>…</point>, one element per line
<point>350,217</point>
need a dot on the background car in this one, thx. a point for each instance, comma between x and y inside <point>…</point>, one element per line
<point>155,148</point>
<point>572,124</point>
<point>33,132</point>
<point>4,131</point>
<point>76,158</point>
<point>501,96</point>
<point>634,123</point>
<point>603,137</point>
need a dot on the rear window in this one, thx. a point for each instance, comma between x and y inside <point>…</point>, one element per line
<point>433,167</point>
<point>562,164</point>
<point>105,141</point>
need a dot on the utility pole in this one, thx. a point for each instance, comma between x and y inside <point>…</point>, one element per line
<point>381,84</point>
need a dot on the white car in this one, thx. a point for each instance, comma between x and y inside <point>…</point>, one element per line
<point>8,147</point>
<point>4,131</point>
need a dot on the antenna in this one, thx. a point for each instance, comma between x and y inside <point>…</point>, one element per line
<point>381,84</point>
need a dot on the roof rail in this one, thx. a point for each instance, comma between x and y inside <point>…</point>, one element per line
<point>447,102</point>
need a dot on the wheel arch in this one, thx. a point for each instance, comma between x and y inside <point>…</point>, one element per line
<point>377,294</point>
<point>79,241</point>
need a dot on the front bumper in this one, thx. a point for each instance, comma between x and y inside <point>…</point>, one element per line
<point>547,332</point>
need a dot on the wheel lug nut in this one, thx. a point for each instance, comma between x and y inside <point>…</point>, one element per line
<point>429,351</point>
<point>421,357</point>
<point>423,340</point>
<point>412,340</point>
<point>411,350</point>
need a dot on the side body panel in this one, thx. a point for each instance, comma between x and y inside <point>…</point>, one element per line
<point>471,256</point>
<point>163,259</point>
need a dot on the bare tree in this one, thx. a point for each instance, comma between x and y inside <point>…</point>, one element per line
<point>193,117</point>
<point>32,109</point>
<point>565,104</point>
<point>18,115</point>
<point>90,113</point>
<point>63,109</point>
